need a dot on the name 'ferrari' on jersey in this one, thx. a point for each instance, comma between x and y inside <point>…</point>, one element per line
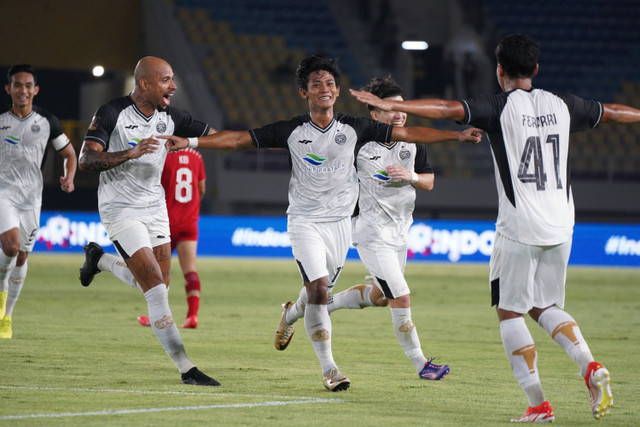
<point>529,136</point>
<point>323,185</point>
<point>133,187</point>
<point>23,142</point>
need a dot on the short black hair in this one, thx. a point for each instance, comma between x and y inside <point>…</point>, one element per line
<point>383,88</point>
<point>518,55</point>
<point>313,64</point>
<point>21,68</point>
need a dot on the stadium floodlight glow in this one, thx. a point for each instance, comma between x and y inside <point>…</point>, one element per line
<point>98,71</point>
<point>415,45</point>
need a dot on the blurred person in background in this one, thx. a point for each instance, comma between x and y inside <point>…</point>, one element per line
<point>183,180</point>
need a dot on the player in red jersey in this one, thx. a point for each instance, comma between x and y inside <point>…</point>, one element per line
<point>183,180</point>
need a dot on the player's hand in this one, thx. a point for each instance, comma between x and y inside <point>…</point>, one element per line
<point>400,177</point>
<point>371,99</point>
<point>398,172</point>
<point>66,184</point>
<point>147,145</point>
<point>473,135</point>
<point>174,143</point>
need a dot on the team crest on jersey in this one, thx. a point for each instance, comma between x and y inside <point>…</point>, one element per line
<point>94,123</point>
<point>404,154</point>
<point>35,128</point>
<point>161,127</point>
<point>341,138</point>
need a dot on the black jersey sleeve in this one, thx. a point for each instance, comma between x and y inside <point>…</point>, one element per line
<point>55,128</point>
<point>104,121</point>
<point>584,114</point>
<point>484,111</point>
<point>367,129</point>
<point>185,125</point>
<point>276,135</point>
<point>421,163</point>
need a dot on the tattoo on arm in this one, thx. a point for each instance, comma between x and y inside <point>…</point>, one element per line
<point>101,161</point>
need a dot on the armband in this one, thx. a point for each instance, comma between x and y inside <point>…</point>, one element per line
<point>193,142</point>
<point>414,178</point>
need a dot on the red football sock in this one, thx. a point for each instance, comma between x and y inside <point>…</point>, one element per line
<point>192,288</point>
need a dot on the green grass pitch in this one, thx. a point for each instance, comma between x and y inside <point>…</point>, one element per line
<point>79,357</point>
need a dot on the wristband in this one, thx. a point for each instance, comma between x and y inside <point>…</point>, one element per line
<point>414,177</point>
<point>193,142</point>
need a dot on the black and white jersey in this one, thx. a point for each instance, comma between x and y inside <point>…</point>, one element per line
<point>22,148</point>
<point>529,136</point>
<point>385,206</point>
<point>133,187</point>
<point>323,185</point>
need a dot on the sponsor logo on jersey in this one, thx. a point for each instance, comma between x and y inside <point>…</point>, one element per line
<point>5,127</point>
<point>313,159</point>
<point>374,158</point>
<point>12,139</point>
<point>305,141</point>
<point>404,154</point>
<point>35,128</point>
<point>381,175</point>
<point>131,127</point>
<point>94,123</point>
<point>161,127</point>
<point>341,138</point>
<point>134,142</point>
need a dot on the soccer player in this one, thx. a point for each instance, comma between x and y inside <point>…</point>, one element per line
<point>323,188</point>
<point>389,174</point>
<point>25,130</point>
<point>120,144</point>
<point>183,180</point>
<point>528,131</point>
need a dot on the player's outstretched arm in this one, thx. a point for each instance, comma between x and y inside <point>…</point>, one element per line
<point>618,113</point>
<point>422,135</point>
<point>226,140</point>
<point>437,109</point>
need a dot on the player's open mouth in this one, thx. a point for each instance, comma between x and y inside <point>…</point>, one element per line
<point>167,98</point>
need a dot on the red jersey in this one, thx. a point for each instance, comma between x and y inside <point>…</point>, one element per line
<point>182,172</point>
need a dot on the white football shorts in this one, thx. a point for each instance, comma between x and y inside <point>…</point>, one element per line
<point>26,221</point>
<point>386,265</point>
<point>525,276</point>
<point>320,248</point>
<point>132,234</point>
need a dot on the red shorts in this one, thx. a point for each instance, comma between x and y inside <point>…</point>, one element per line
<point>183,232</point>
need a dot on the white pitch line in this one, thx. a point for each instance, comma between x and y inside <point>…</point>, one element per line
<point>177,408</point>
<point>297,401</point>
<point>98,390</point>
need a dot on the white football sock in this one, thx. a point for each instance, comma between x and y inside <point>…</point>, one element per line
<point>118,268</point>
<point>16,280</point>
<point>296,311</point>
<point>165,328</point>
<point>318,326</point>
<point>6,265</point>
<point>565,331</point>
<point>521,352</point>
<point>408,336</point>
<point>357,296</point>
